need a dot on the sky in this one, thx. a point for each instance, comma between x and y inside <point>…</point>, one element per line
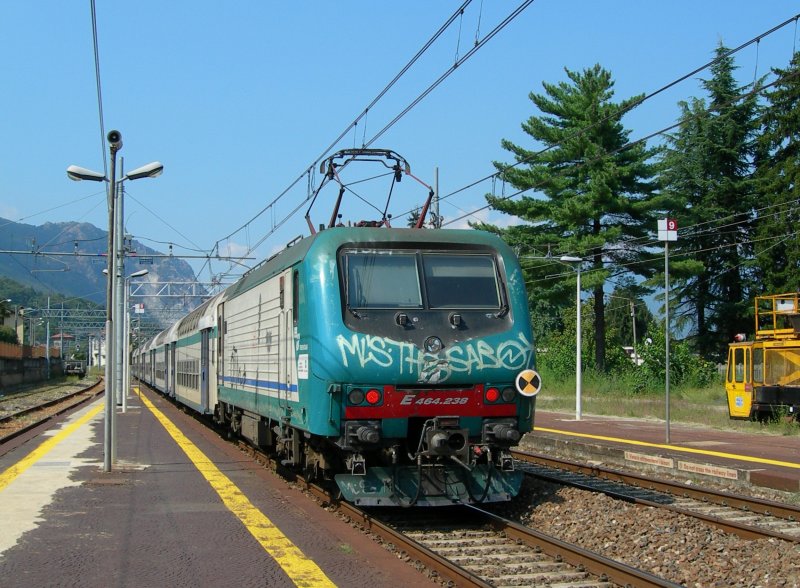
<point>239,99</point>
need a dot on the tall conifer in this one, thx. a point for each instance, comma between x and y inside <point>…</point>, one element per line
<point>709,166</point>
<point>592,197</point>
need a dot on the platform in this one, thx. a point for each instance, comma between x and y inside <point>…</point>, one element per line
<point>179,508</point>
<point>693,452</point>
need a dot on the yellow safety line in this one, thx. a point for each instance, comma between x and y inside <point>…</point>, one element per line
<point>18,468</point>
<point>761,460</point>
<point>300,569</point>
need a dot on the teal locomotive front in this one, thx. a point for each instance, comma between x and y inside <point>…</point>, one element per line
<point>387,359</point>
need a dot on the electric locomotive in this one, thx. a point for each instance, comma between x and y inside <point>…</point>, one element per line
<point>397,362</point>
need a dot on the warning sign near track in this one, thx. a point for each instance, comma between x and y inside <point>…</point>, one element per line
<point>529,382</point>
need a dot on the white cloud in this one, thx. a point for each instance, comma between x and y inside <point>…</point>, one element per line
<point>486,215</point>
<point>231,249</point>
<point>9,212</point>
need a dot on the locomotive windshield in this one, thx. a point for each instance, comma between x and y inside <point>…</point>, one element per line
<point>436,280</point>
<point>380,280</point>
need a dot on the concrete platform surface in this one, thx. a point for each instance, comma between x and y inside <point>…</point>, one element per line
<point>179,508</point>
<point>766,460</point>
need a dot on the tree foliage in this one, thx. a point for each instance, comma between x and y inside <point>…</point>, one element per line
<point>776,244</point>
<point>8,335</point>
<point>709,170</point>
<point>595,195</point>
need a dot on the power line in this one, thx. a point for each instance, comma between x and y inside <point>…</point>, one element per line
<point>629,145</point>
<point>417,100</point>
<point>619,114</point>
<point>99,88</point>
<point>450,70</point>
<point>309,170</point>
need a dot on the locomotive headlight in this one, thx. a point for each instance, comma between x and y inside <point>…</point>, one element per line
<point>508,394</point>
<point>356,396</point>
<point>433,345</point>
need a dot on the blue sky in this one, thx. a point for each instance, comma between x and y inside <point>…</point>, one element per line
<point>238,99</point>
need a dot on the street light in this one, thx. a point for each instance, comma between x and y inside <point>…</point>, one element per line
<point>578,375</point>
<point>114,272</point>
<point>126,366</point>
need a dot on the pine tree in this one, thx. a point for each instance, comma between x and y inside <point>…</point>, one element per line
<point>709,166</point>
<point>595,198</point>
<point>777,247</point>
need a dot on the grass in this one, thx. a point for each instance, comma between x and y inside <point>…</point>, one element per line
<point>615,397</point>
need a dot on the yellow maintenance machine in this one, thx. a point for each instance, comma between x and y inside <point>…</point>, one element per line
<point>763,376</point>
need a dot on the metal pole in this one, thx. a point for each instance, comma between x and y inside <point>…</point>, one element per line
<point>437,223</point>
<point>126,365</point>
<point>47,340</point>
<point>61,328</point>
<point>633,320</point>
<point>47,347</point>
<point>109,372</point>
<point>119,328</point>
<point>666,328</point>
<point>578,367</point>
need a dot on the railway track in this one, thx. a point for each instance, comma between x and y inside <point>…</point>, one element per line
<point>24,412</point>
<point>747,517</point>
<point>487,551</point>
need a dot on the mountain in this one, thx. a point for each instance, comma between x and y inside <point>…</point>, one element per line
<point>79,273</point>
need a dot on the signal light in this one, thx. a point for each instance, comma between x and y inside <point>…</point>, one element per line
<point>373,396</point>
<point>492,394</point>
<point>508,394</point>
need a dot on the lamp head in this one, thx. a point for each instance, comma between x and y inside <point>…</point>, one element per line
<point>77,174</point>
<point>151,170</point>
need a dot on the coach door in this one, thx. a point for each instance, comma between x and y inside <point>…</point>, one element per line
<point>204,368</point>
<point>171,370</point>
<point>739,381</point>
<point>286,338</point>
<point>221,327</point>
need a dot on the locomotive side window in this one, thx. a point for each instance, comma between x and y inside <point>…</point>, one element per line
<point>382,280</point>
<point>461,281</point>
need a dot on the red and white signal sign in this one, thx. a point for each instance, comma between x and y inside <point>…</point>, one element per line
<point>667,229</point>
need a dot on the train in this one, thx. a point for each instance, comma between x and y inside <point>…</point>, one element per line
<point>762,379</point>
<point>75,367</point>
<point>397,363</point>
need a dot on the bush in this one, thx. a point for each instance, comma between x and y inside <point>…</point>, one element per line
<point>685,368</point>
<point>556,356</point>
<point>8,335</point>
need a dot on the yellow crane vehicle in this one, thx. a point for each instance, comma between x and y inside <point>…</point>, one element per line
<point>763,376</point>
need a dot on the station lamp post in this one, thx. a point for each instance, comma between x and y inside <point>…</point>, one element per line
<point>578,262</point>
<point>114,251</point>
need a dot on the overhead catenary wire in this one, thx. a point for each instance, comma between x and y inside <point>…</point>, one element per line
<point>416,101</point>
<point>450,70</point>
<point>622,112</point>
<point>306,172</point>
<point>625,147</point>
<point>99,87</point>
